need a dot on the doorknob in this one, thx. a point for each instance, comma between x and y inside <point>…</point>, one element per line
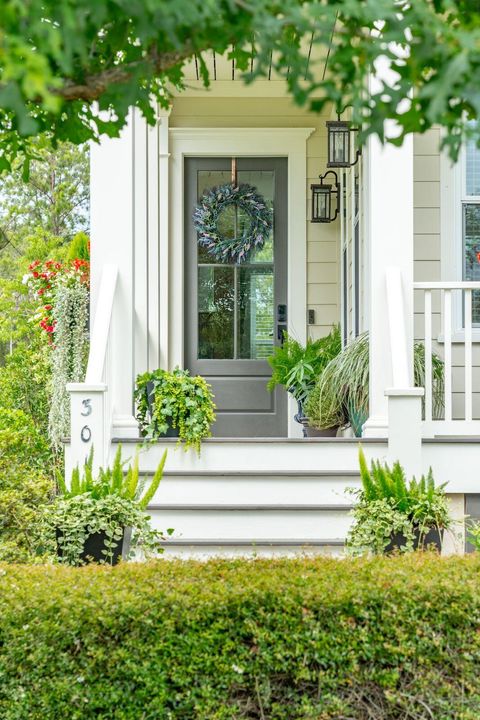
<point>281,330</point>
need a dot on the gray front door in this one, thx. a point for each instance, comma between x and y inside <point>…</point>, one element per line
<point>235,314</point>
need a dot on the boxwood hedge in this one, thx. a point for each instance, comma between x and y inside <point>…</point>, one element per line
<point>395,638</point>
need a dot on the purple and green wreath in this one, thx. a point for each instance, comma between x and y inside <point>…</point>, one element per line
<point>235,249</point>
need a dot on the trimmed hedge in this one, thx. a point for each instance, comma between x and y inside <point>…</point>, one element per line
<point>395,638</point>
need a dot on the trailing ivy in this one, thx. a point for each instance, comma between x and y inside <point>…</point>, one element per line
<point>174,400</point>
<point>69,355</point>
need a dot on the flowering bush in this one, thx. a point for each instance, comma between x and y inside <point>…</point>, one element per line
<point>46,278</point>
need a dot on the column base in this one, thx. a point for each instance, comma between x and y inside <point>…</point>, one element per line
<point>375,427</point>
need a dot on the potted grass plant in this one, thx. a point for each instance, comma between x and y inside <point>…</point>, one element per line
<point>174,404</point>
<point>341,394</point>
<point>90,517</point>
<point>396,515</point>
<point>297,368</point>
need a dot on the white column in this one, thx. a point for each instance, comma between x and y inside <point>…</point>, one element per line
<point>389,239</point>
<point>112,216</point>
<point>164,230</point>
<point>405,429</point>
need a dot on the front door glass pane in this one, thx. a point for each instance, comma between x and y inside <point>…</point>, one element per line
<point>471,232</point>
<point>215,312</point>
<point>236,302</point>
<point>255,321</point>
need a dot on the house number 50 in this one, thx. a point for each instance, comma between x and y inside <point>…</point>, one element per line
<point>86,433</point>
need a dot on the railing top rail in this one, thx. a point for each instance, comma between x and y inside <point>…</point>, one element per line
<point>101,325</point>
<point>445,285</point>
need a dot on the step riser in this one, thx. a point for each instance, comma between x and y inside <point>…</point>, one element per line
<point>213,551</point>
<point>254,490</point>
<point>257,457</point>
<point>248,525</point>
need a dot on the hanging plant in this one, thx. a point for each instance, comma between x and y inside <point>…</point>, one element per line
<point>44,279</point>
<point>258,227</point>
<point>70,352</point>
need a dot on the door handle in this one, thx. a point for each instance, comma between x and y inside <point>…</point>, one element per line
<point>281,330</point>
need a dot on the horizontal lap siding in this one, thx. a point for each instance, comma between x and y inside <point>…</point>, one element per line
<point>322,240</point>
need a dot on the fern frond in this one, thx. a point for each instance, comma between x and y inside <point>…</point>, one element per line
<point>143,503</point>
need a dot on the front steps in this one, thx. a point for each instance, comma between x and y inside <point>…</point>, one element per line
<point>255,497</point>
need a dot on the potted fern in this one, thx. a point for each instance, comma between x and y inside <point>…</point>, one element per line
<point>297,368</point>
<point>90,517</point>
<point>393,514</point>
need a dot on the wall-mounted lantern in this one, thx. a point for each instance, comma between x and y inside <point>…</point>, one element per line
<point>340,144</point>
<point>325,200</point>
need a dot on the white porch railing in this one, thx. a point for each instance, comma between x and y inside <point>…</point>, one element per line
<point>91,402</point>
<point>448,305</point>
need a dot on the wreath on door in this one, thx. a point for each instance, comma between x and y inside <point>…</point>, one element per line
<point>207,214</point>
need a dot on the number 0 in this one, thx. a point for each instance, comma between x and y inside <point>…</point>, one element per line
<point>86,434</point>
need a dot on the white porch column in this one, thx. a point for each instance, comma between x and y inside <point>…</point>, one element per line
<point>389,242</point>
<point>112,216</point>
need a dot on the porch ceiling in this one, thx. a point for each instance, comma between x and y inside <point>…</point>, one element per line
<point>221,68</point>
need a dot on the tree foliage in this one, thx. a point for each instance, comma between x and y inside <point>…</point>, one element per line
<point>72,68</point>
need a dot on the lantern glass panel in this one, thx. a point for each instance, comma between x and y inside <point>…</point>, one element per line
<point>321,203</point>
<point>338,145</point>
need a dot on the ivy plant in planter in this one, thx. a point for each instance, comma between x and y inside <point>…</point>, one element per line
<point>174,401</point>
<point>89,518</point>
<point>297,367</point>
<point>393,514</point>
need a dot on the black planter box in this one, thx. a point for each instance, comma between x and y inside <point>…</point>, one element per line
<point>171,431</point>
<point>433,538</point>
<point>92,550</point>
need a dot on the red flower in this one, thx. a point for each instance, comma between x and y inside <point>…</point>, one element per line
<point>36,274</point>
<point>48,307</point>
<point>478,257</point>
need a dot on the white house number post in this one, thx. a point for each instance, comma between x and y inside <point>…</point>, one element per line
<point>87,406</point>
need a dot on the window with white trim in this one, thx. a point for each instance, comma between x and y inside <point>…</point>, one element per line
<point>471,221</point>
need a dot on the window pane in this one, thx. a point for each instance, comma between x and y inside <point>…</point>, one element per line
<point>473,168</point>
<point>471,234</point>
<point>255,321</point>
<point>215,313</point>
<point>264,182</point>
<point>207,179</point>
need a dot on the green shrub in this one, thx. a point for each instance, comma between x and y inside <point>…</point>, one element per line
<point>22,537</point>
<point>24,380</point>
<point>22,445</point>
<point>383,639</point>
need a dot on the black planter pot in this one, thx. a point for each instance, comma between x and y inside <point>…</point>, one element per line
<point>92,550</point>
<point>433,539</point>
<point>171,431</point>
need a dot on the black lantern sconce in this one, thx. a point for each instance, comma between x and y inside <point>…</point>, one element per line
<point>340,144</point>
<point>325,200</point>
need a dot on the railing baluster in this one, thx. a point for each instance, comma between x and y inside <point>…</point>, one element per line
<point>468,354</point>
<point>428,355</point>
<point>447,334</point>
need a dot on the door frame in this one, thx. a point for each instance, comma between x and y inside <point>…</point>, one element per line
<point>250,142</point>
